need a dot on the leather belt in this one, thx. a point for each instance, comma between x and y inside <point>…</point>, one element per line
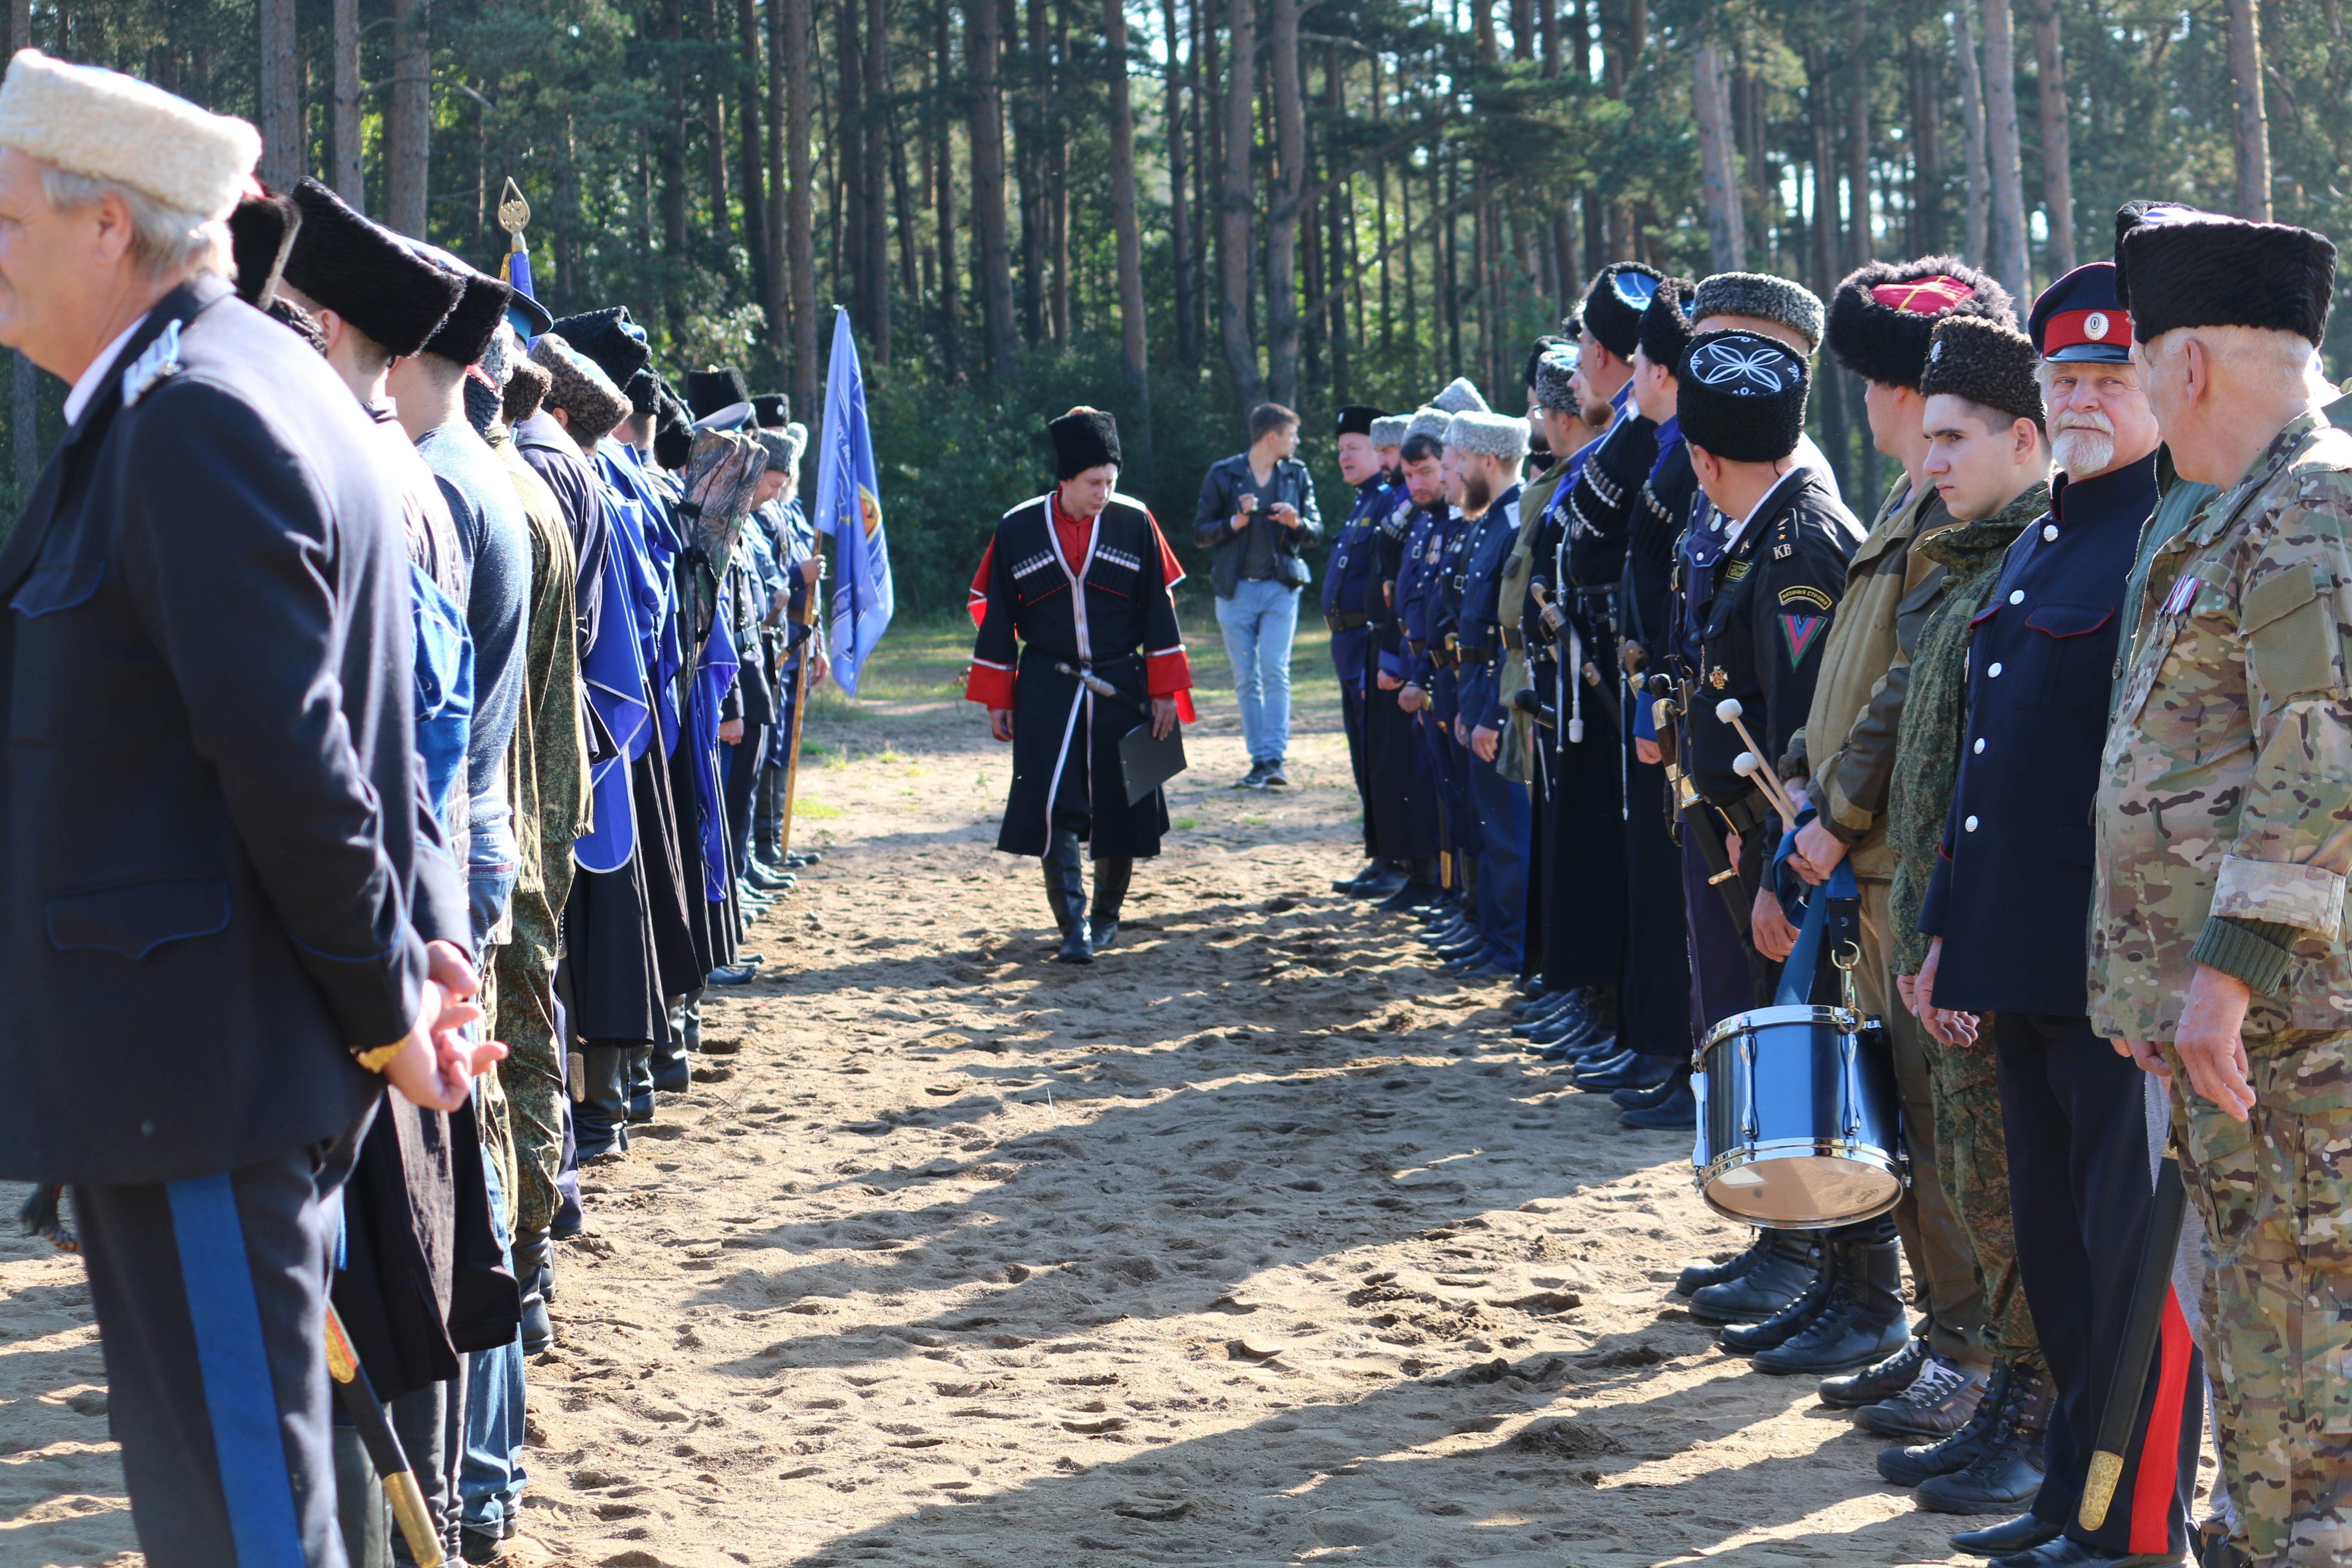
<point>1745,811</point>
<point>1347,620</point>
<point>1470,655</point>
<point>1415,647</point>
<point>1513,639</point>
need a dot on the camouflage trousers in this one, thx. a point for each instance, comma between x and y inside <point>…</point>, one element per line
<point>532,1072</point>
<point>2275,1193</point>
<point>1972,1167</point>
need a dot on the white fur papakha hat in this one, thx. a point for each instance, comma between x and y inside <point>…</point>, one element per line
<point>106,126</point>
<point>1496,435</point>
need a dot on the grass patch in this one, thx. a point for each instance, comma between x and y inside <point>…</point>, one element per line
<point>817,809</point>
<point>1184,824</point>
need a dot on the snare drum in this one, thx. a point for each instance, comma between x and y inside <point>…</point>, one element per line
<point>1799,1124</point>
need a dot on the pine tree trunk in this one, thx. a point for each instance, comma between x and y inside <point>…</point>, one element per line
<point>714,130</point>
<point>799,52</point>
<point>1029,147</point>
<point>1131,342</point>
<point>408,117</point>
<point>1283,208</point>
<point>2057,152</point>
<point>851,260</point>
<point>344,172</point>
<point>1979,213</point>
<point>673,156</point>
<point>2009,264</point>
<point>747,125</point>
<point>1718,159</point>
<point>2254,137</point>
<point>778,299</point>
<point>1859,242</point>
<point>1927,232</point>
<point>1180,215</point>
<point>951,271</point>
<point>983,44</point>
<point>1233,203</point>
<point>284,158</point>
<point>877,203</point>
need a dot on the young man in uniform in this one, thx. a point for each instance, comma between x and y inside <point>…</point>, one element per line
<point>1348,592</point>
<point>1077,583</point>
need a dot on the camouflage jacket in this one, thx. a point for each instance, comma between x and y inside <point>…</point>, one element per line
<point>2225,790</point>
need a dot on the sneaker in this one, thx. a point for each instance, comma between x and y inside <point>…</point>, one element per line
<point>1275,777</point>
<point>1939,1402</point>
<point>1254,779</point>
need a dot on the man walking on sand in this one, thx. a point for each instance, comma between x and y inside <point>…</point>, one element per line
<point>1256,507</point>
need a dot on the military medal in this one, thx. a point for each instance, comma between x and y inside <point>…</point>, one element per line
<point>2182,593</point>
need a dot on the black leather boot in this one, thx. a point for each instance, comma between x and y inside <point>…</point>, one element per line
<point>1111,878</point>
<point>2022,1533</point>
<point>1065,893</point>
<point>1881,1380</point>
<point>1797,1316</point>
<point>1773,1273</point>
<point>1908,1467</point>
<point>1700,1275</point>
<point>1863,1319</point>
<point>535,1274</point>
<point>600,1117</point>
<point>2004,1476</point>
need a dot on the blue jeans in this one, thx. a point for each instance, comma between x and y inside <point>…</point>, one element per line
<point>1258,622</point>
<point>491,1474</point>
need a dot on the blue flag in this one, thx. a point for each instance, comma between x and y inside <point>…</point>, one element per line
<point>849,507</point>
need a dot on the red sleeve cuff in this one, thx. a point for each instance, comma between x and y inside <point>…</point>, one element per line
<point>990,685</point>
<point>1170,674</point>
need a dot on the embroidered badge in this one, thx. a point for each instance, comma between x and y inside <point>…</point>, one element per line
<point>160,360</point>
<point>1737,569</point>
<point>1782,551</point>
<point>1806,593</point>
<point>2182,593</point>
<point>1800,631</point>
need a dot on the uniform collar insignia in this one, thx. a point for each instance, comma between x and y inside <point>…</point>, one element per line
<point>160,360</point>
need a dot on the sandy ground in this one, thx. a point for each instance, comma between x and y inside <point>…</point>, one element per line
<point>1248,1244</point>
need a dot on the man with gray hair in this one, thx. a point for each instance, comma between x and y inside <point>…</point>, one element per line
<point>2218,950</point>
<point>221,881</point>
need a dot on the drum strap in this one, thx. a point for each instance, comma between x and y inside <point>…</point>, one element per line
<point>1832,918</point>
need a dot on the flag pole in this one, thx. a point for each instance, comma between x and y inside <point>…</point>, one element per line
<point>807,617</point>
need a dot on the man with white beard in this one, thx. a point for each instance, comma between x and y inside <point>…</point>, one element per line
<point>2008,912</point>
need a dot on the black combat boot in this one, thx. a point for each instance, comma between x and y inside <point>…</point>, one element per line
<point>1700,1275</point>
<point>600,1115</point>
<point>1065,893</point>
<point>535,1274</point>
<point>2006,1474</point>
<point>1910,1465</point>
<point>1882,1380</point>
<point>1771,1275</point>
<point>1111,878</point>
<point>1861,1321</point>
<point>1798,1315</point>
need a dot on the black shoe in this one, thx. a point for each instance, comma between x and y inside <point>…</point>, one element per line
<point>768,879</point>
<point>1468,946</point>
<point>2022,1533</point>
<point>1361,880</point>
<point>1657,1094</point>
<point>1409,896</point>
<point>535,1275</point>
<point>1882,1380</point>
<point>1478,964</point>
<point>800,858</point>
<point>1381,886</point>
<point>1582,1053</point>
<point>1112,875</point>
<point>1636,1071</point>
<point>1254,779</point>
<point>1275,776</point>
<point>673,1075</point>
<point>735,976</point>
<point>1940,1401</point>
<point>1861,1323</point>
<point>1453,930</point>
<point>1677,1112</point>
<point>2007,1471</point>
<point>1908,1467</point>
<point>2067,1552</point>
<point>1700,1275</point>
<point>1778,1273</point>
<point>482,1546</point>
<point>1590,1074</point>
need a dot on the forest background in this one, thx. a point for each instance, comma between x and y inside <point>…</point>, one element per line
<point>1177,208</point>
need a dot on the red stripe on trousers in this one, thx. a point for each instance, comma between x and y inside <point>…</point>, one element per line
<point>2159,1453</point>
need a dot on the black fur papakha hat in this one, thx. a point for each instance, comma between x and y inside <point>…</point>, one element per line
<point>1614,305</point>
<point>2178,266</point>
<point>1356,420</point>
<point>1741,395</point>
<point>709,391</point>
<point>1543,346</point>
<point>772,410</point>
<point>260,234</point>
<point>1556,381</point>
<point>367,274</point>
<point>592,406</point>
<point>607,336</point>
<point>1986,363</point>
<point>1083,438</point>
<point>480,308</point>
<point>1666,332</point>
<point>1884,312</point>
<point>1760,297</point>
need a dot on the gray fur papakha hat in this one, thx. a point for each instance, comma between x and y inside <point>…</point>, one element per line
<point>1762,298</point>
<point>1556,382</point>
<point>1390,429</point>
<point>1459,396</point>
<point>1430,421</point>
<point>1496,435</point>
<point>577,384</point>
<point>1987,362</point>
<point>783,446</point>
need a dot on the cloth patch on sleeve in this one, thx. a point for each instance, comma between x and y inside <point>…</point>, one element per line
<point>1806,593</point>
<point>1800,631</point>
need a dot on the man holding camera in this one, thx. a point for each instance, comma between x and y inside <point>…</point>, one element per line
<point>1256,507</point>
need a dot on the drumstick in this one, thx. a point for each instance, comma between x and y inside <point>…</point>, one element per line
<point>1745,766</point>
<point>1729,711</point>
